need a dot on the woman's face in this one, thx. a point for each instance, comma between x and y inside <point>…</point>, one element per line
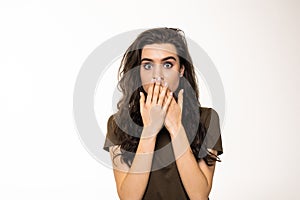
<point>160,61</point>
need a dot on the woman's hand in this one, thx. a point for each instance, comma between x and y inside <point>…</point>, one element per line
<point>174,115</point>
<point>154,110</point>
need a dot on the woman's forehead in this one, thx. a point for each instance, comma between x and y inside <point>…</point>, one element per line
<point>159,50</point>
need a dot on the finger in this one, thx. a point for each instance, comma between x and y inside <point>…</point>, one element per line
<point>162,94</point>
<point>160,88</point>
<point>180,99</point>
<point>166,96</point>
<point>165,99</point>
<point>149,93</point>
<point>142,101</point>
<point>170,97</point>
<point>156,91</point>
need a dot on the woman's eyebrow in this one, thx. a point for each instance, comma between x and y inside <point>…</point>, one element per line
<point>166,58</point>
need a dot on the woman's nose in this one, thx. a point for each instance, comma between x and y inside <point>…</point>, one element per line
<point>157,72</point>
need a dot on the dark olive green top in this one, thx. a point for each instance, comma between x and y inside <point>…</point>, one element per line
<point>164,182</point>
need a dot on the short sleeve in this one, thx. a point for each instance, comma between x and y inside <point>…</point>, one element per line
<point>111,138</point>
<point>213,136</point>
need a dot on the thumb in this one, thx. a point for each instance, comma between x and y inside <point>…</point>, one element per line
<point>180,99</point>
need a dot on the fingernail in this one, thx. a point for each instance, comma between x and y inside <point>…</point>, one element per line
<point>165,84</point>
<point>158,80</point>
<point>152,80</point>
<point>182,90</point>
<point>140,93</point>
<point>171,93</point>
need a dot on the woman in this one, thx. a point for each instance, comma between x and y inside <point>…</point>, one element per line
<point>163,144</point>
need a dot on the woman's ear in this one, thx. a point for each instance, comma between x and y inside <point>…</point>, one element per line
<point>181,70</point>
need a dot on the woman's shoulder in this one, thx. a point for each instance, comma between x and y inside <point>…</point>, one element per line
<point>111,138</point>
<point>210,119</point>
<point>111,124</point>
<point>111,118</point>
<point>207,114</point>
<point>208,110</point>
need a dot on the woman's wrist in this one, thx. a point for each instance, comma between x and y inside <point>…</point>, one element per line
<point>180,142</point>
<point>175,130</point>
<point>148,133</point>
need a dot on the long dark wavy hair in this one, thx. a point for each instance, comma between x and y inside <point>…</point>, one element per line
<point>128,123</point>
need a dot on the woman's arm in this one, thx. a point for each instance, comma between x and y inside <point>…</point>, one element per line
<point>131,182</point>
<point>196,177</point>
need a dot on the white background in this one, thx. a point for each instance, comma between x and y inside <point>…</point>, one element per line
<point>255,46</point>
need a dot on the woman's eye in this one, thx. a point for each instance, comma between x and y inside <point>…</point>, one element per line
<point>147,66</point>
<point>168,65</point>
